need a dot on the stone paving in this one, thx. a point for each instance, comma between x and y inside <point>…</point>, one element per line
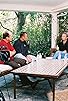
<point>42,91</point>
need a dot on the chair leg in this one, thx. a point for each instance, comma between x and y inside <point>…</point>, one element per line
<point>2,96</point>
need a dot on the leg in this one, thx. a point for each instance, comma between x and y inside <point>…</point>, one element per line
<point>56,55</point>
<point>53,90</point>
<point>1,96</point>
<point>24,80</point>
<point>14,87</point>
<point>7,89</point>
<point>20,61</point>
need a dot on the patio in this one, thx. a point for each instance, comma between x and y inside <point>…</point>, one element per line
<point>42,91</point>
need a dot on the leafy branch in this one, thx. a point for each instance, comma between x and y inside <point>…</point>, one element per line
<point>5,27</point>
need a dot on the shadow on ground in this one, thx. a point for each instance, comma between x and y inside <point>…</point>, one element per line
<point>25,93</point>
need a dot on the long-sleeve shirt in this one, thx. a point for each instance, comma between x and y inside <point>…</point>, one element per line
<point>21,47</point>
<point>63,47</point>
<point>8,46</point>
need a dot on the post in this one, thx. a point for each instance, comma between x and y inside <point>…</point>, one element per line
<point>54,29</point>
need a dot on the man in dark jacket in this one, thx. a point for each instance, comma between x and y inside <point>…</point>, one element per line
<point>21,46</point>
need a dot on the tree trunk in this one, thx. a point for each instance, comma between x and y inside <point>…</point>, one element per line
<point>21,21</point>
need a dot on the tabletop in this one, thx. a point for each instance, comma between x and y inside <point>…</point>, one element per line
<point>43,68</point>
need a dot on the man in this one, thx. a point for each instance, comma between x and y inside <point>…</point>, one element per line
<point>7,38</point>
<point>22,48</point>
<point>6,43</point>
<point>63,47</point>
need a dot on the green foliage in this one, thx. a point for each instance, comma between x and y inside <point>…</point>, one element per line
<point>0,35</point>
<point>8,21</point>
<point>38,27</point>
<point>63,22</point>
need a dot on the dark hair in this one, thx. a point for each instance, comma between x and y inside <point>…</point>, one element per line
<point>22,34</point>
<point>6,34</point>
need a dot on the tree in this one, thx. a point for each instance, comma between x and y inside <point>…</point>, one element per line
<point>8,21</point>
<point>38,26</point>
<point>63,24</point>
<point>63,21</point>
<point>21,16</point>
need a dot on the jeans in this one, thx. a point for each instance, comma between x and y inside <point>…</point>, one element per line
<point>60,55</point>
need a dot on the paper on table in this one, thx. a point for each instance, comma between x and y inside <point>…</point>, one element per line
<point>5,67</point>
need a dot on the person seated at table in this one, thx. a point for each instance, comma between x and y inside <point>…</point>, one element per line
<point>22,48</point>
<point>5,45</point>
<point>5,42</point>
<point>62,53</point>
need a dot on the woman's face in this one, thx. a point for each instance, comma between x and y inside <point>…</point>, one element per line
<point>64,37</point>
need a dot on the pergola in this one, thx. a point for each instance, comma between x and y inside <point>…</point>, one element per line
<point>51,6</point>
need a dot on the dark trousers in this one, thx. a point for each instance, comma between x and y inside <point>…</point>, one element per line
<point>16,63</point>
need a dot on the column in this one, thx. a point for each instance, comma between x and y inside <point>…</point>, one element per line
<point>54,30</point>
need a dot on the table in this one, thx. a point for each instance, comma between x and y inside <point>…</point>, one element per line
<point>46,68</point>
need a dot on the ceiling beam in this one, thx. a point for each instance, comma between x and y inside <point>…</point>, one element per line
<point>22,7</point>
<point>60,7</point>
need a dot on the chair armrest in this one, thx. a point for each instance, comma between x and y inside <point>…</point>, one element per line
<point>52,51</point>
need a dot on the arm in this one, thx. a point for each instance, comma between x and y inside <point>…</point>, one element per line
<point>67,48</point>
<point>17,47</point>
<point>11,50</point>
<point>57,47</point>
<point>12,53</point>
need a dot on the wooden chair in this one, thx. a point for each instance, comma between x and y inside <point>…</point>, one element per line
<point>52,51</point>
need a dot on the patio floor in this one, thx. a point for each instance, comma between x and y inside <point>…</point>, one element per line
<point>42,91</point>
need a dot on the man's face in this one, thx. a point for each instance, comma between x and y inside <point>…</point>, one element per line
<point>64,37</point>
<point>25,37</point>
<point>10,37</point>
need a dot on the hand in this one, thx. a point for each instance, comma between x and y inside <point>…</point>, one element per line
<point>57,47</point>
<point>29,59</point>
<point>65,51</point>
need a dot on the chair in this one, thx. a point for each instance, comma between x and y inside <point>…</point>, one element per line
<point>52,51</point>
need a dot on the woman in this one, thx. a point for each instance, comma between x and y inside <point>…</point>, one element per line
<point>62,53</point>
